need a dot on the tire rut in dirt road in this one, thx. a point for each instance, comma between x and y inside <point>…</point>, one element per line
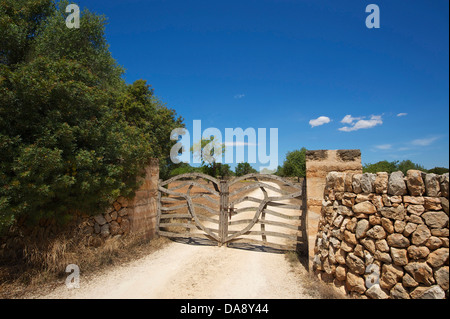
<point>181,271</point>
<point>234,273</point>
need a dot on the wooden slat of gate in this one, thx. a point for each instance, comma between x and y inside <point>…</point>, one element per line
<point>198,236</point>
<point>267,222</point>
<point>184,225</point>
<point>293,240</point>
<point>249,241</point>
<point>267,233</point>
<point>223,223</point>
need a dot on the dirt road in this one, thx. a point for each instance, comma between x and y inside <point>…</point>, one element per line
<point>183,270</point>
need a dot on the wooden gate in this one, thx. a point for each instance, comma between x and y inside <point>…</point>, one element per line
<point>255,209</point>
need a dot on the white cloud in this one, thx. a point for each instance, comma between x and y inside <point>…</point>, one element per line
<point>239,96</point>
<point>363,124</point>
<point>348,119</point>
<point>424,141</point>
<point>319,121</point>
<point>233,144</point>
<point>384,146</point>
<point>402,114</point>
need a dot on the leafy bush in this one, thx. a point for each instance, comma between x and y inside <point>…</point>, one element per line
<point>244,169</point>
<point>438,170</point>
<point>295,164</point>
<point>73,135</point>
<point>389,167</point>
<point>184,168</point>
<point>382,166</point>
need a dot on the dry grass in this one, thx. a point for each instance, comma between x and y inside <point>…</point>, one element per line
<point>314,287</point>
<point>43,266</point>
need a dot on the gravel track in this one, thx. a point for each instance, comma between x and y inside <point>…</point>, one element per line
<point>189,271</point>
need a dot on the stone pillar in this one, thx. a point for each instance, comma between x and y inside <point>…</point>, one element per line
<point>318,164</point>
<point>143,207</point>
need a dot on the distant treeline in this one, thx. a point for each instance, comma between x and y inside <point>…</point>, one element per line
<point>217,170</point>
<point>295,166</point>
<point>404,166</point>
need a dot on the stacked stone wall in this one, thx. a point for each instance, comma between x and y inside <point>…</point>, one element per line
<point>385,235</point>
<point>135,216</point>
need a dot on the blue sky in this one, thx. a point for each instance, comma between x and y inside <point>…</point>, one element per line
<point>293,65</point>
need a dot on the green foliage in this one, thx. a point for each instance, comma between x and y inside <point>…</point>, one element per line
<point>389,167</point>
<point>438,170</point>
<point>382,166</point>
<point>19,22</point>
<point>225,171</point>
<point>62,146</point>
<point>143,110</point>
<point>244,169</point>
<point>73,135</point>
<point>295,164</point>
<point>184,168</point>
<point>217,170</point>
<point>279,171</point>
<point>406,165</point>
<point>214,149</point>
<point>86,45</point>
<point>205,148</point>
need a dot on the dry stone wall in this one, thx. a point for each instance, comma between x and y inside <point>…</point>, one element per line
<point>114,222</point>
<point>135,216</point>
<point>385,235</point>
<point>90,230</point>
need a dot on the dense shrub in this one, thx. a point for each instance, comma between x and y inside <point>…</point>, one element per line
<point>73,134</point>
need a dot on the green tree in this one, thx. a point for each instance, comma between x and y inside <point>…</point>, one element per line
<point>244,169</point>
<point>389,167</point>
<point>438,170</point>
<point>142,109</point>
<point>225,171</point>
<point>217,170</point>
<point>65,149</point>
<point>19,23</point>
<point>73,135</point>
<point>86,45</point>
<point>279,171</point>
<point>295,164</point>
<point>406,165</point>
<point>209,151</point>
<point>382,166</point>
<point>183,168</point>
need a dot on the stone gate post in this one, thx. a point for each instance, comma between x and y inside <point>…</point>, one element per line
<point>318,164</point>
<point>143,207</point>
